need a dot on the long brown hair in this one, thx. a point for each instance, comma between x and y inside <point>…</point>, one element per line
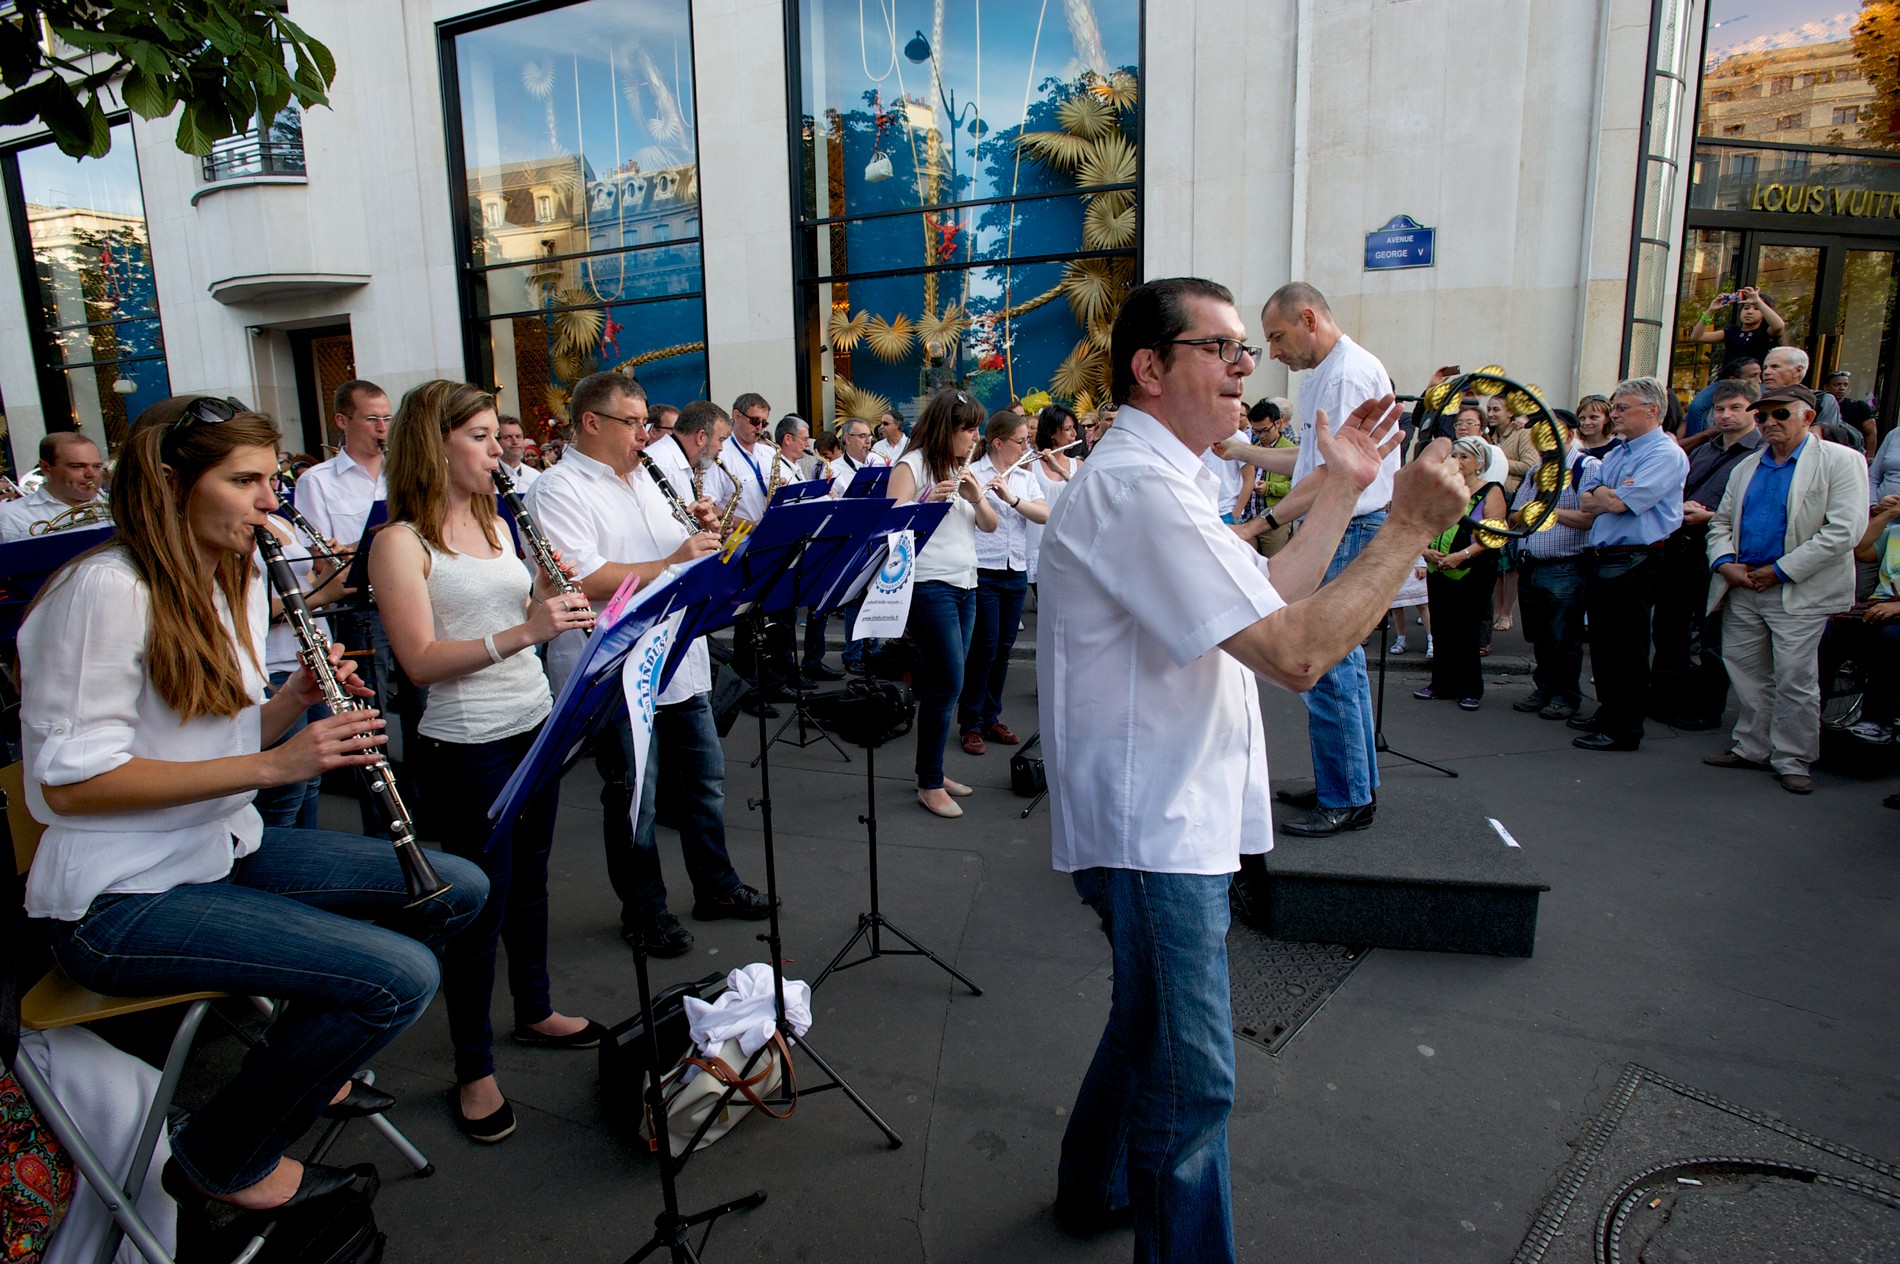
<point>418,473</point>
<point>947,412</point>
<point>193,666</point>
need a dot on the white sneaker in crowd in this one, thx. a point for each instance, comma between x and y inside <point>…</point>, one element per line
<point>1398,646</point>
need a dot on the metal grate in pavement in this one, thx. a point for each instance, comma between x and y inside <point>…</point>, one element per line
<point>1277,985</point>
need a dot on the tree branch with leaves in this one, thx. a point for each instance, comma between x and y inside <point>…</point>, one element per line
<point>228,62</point>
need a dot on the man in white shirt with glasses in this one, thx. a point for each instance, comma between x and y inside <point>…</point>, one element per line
<point>1158,770</point>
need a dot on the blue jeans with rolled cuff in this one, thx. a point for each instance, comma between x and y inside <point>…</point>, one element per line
<point>1000,595</point>
<point>1149,1127</point>
<point>282,924</point>
<point>459,782</point>
<point>942,618</point>
<point>1339,722</point>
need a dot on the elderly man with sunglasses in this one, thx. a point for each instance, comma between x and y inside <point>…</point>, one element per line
<point>1781,548</point>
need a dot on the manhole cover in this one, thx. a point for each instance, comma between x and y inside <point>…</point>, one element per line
<point>1278,985</point>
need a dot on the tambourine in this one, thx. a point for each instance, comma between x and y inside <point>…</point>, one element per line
<point>1550,474</point>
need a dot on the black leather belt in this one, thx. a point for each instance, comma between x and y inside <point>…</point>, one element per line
<point>1619,550</point>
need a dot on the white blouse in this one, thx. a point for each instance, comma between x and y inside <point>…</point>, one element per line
<point>87,707</point>
<point>949,556</point>
<point>1007,547</point>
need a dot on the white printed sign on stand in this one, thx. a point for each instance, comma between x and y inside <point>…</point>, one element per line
<point>640,677</point>
<point>886,608</point>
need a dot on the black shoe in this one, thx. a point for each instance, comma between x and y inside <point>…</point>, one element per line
<point>588,1037</point>
<point>364,1100</point>
<point>818,671</point>
<point>1530,703</point>
<point>489,1128</point>
<point>1583,723</point>
<point>1089,1222</point>
<point>1305,800</point>
<point>743,902</point>
<point>1604,742</point>
<point>766,709</point>
<point>319,1179</point>
<point>1325,822</point>
<point>664,938</point>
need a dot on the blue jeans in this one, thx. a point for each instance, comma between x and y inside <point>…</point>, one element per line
<point>460,782</point>
<point>1339,706</point>
<point>942,617</point>
<point>293,806</point>
<point>1551,594</point>
<point>999,608</point>
<point>1149,1127</point>
<point>686,775</point>
<point>281,924</point>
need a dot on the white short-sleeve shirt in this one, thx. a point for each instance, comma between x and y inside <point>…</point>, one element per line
<point>1154,746</point>
<point>1348,377</point>
<point>88,707</point>
<point>1007,547</point>
<point>19,517</point>
<point>336,496</point>
<point>593,516</point>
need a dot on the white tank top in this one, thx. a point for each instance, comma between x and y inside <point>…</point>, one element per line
<point>473,597</point>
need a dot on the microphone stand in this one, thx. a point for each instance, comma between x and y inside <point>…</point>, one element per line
<point>1379,744</point>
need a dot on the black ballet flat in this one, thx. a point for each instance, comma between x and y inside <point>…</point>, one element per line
<point>319,1180</point>
<point>364,1100</point>
<point>588,1037</point>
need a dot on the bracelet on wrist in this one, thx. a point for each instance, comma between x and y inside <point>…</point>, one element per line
<point>494,655</point>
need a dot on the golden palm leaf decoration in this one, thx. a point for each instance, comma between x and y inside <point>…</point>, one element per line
<point>1060,150</point>
<point>1088,116</point>
<point>1079,371</point>
<point>568,366</point>
<point>1101,335</point>
<point>847,331</point>
<point>1119,90</point>
<point>538,78</point>
<point>890,340</point>
<point>859,405</point>
<point>1091,287</point>
<point>1110,160</point>
<point>577,330</point>
<point>945,327</point>
<point>1085,403</point>
<point>556,399</point>
<point>1109,222</point>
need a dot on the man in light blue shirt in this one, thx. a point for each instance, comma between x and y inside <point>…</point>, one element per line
<point>1635,491</point>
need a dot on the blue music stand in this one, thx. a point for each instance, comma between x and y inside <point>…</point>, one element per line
<point>871,481</point>
<point>793,493</point>
<point>26,565</point>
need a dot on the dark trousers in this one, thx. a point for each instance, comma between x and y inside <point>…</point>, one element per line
<point>1619,593</point>
<point>1688,681</point>
<point>999,609</point>
<point>1550,592</point>
<point>1459,610</point>
<point>461,781</point>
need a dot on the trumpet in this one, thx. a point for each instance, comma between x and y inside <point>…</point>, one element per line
<point>537,544</point>
<point>94,513</point>
<point>313,648</point>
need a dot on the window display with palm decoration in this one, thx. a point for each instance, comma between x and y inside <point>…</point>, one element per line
<point>578,173</point>
<point>969,208</point>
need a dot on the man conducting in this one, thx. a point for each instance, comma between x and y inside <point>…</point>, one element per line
<point>1141,580</point>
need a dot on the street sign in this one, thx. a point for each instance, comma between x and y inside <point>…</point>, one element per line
<point>1402,243</point>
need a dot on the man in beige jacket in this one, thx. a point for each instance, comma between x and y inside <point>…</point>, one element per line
<point>1781,548</point>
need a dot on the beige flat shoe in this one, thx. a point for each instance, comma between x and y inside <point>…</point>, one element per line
<point>949,811</point>
<point>957,789</point>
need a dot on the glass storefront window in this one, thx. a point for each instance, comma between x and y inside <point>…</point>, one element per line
<point>978,214</point>
<point>88,261</point>
<point>579,177</point>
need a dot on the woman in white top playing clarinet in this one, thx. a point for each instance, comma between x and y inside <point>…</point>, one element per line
<point>464,614</point>
<point>143,717</point>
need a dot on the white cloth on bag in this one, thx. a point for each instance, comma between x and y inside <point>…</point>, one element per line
<point>106,1091</point>
<point>746,1011</point>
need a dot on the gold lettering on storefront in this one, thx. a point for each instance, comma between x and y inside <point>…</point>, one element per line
<point>1859,202</point>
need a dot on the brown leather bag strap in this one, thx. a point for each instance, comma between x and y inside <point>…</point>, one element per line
<point>722,1071</point>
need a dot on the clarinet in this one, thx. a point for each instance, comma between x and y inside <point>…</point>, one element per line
<point>321,545</point>
<point>313,648</point>
<point>673,501</point>
<point>531,536</point>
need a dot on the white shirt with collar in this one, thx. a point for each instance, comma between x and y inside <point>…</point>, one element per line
<point>1348,377</point>
<point>88,707</point>
<point>593,516</point>
<point>1228,473</point>
<point>843,470</point>
<point>887,451</point>
<point>1155,748</point>
<point>520,475</point>
<point>753,470</point>
<point>336,496</point>
<point>18,517</point>
<point>1007,547</point>
<point>672,460</point>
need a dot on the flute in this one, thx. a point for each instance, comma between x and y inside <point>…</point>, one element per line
<point>1033,455</point>
<point>313,648</point>
<point>531,536</point>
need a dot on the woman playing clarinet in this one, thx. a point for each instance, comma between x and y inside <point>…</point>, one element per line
<point>464,613</point>
<point>145,725</point>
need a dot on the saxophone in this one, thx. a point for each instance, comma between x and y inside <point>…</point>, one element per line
<point>738,489</point>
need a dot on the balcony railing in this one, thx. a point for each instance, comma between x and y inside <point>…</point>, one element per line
<point>253,155</point>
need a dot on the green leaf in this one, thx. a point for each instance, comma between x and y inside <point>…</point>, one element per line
<point>101,130</point>
<point>192,136</point>
<point>147,95</point>
<point>31,102</point>
<point>89,41</point>
<point>146,56</point>
<point>326,64</point>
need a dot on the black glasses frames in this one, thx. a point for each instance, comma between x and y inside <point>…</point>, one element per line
<point>1229,349</point>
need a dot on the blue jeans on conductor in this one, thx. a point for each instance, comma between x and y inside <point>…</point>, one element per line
<point>291,922</point>
<point>1149,1127</point>
<point>1339,707</point>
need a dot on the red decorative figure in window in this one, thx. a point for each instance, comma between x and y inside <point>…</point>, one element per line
<point>948,228</point>
<point>610,335</point>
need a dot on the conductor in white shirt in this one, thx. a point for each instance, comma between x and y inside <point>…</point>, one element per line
<point>1141,580</point>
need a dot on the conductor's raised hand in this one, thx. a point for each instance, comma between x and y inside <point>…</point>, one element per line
<point>1360,445</point>
<point>1429,493</point>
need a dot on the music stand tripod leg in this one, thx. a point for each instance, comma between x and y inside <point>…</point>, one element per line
<point>1379,745</point>
<point>670,1228</point>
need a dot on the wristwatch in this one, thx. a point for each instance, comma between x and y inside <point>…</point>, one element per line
<point>1273,523</point>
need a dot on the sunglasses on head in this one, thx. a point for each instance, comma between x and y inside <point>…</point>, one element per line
<point>208,411</point>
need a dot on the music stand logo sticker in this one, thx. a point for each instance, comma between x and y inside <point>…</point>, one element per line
<point>640,677</point>
<point>886,608</point>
